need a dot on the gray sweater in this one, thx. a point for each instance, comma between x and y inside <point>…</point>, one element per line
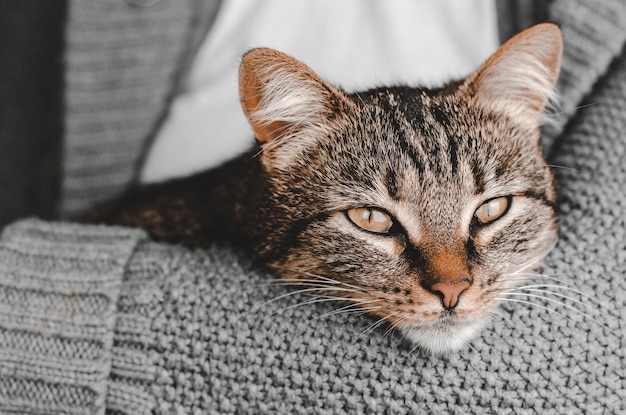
<point>102,320</point>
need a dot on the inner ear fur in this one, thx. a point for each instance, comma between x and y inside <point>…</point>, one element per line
<point>280,95</point>
<point>520,77</point>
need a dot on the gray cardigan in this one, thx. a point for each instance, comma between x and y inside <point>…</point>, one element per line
<point>102,320</point>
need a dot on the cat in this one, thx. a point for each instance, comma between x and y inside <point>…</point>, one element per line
<point>422,205</point>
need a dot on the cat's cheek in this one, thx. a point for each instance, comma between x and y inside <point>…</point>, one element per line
<point>525,216</point>
<point>486,234</point>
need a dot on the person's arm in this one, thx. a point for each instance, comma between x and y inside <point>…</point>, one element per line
<point>60,286</point>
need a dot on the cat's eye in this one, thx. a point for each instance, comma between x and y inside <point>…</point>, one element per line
<point>370,219</point>
<point>492,210</point>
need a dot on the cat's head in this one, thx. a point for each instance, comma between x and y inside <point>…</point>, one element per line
<point>421,205</point>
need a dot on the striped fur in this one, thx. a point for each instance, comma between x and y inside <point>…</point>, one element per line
<point>428,157</point>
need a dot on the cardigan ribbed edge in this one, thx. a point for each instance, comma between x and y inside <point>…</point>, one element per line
<point>59,288</point>
<point>116,97</point>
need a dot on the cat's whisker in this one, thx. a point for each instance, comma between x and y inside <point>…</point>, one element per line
<point>399,321</point>
<point>556,166</point>
<point>391,328</point>
<point>302,282</point>
<point>338,298</point>
<point>364,310</point>
<point>350,308</point>
<point>513,279</point>
<point>571,110</point>
<point>550,310</point>
<point>530,276</point>
<point>257,154</point>
<point>537,288</point>
<point>311,301</point>
<point>351,299</point>
<point>555,294</point>
<point>413,349</point>
<point>327,296</point>
<point>292,293</point>
<point>319,284</point>
<point>469,346</point>
<point>319,299</point>
<point>536,259</point>
<point>321,277</point>
<point>354,313</point>
<point>372,327</point>
<point>560,303</point>
<point>562,286</point>
<point>530,303</point>
<point>507,281</point>
<point>536,274</point>
<point>377,324</point>
<point>334,281</point>
<point>497,312</point>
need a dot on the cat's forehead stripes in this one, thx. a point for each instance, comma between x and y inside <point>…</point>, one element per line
<point>426,149</point>
<point>447,143</point>
<point>427,165</point>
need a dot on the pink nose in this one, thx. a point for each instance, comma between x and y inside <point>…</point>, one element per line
<point>450,292</point>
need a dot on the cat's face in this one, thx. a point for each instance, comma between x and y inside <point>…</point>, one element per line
<point>421,206</point>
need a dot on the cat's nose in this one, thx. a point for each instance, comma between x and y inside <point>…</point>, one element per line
<point>450,293</point>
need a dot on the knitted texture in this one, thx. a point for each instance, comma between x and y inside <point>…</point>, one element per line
<point>123,64</point>
<point>96,319</point>
<point>59,287</point>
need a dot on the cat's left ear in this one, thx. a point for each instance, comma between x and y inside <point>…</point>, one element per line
<point>520,77</point>
<point>285,101</point>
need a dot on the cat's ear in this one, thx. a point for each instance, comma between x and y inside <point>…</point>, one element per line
<point>520,77</point>
<point>281,96</point>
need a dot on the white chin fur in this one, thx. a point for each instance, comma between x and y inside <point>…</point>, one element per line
<point>442,339</point>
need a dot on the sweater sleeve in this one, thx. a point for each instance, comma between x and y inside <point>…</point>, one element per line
<point>594,33</point>
<point>124,62</point>
<point>59,288</point>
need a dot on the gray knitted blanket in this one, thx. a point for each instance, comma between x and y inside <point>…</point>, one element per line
<point>101,320</point>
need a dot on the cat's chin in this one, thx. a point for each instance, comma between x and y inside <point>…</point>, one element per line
<point>440,339</point>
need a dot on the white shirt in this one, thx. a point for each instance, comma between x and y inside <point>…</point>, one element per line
<point>354,44</point>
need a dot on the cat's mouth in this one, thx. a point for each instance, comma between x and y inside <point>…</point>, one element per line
<point>433,328</point>
<point>448,335</point>
<point>422,317</point>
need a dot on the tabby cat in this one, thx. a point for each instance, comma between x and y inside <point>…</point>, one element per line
<point>422,205</point>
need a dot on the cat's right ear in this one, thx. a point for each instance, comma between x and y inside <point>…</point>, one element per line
<point>520,77</point>
<point>285,100</point>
